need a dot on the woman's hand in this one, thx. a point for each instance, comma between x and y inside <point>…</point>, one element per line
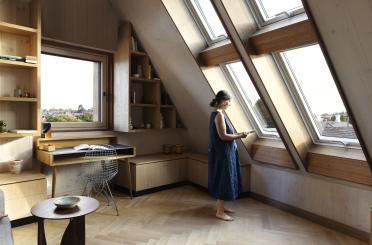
<point>2,215</point>
<point>245,134</point>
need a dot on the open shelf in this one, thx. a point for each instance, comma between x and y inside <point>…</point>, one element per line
<point>18,99</point>
<point>138,53</point>
<point>17,29</point>
<point>19,64</point>
<point>20,29</point>
<point>141,130</point>
<point>15,135</point>
<point>144,80</point>
<point>167,106</point>
<point>147,104</point>
<point>144,105</point>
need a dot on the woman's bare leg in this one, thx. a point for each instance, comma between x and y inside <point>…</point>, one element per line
<point>221,211</point>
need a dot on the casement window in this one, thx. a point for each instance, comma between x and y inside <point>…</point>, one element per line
<point>207,20</point>
<point>270,11</point>
<point>313,88</point>
<point>250,99</point>
<point>73,88</point>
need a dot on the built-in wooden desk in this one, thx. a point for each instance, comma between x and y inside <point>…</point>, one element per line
<point>65,154</point>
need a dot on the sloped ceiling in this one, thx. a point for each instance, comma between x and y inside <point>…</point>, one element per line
<point>175,64</point>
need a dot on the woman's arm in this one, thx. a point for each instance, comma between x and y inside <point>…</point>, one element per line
<point>221,129</point>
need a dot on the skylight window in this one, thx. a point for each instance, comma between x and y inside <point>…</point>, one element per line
<point>269,11</point>
<point>206,16</point>
<point>315,89</point>
<point>249,95</point>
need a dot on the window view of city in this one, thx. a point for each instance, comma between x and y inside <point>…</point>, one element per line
<point>251,97</point>
<point>316,87</point>
<point>69,89</point>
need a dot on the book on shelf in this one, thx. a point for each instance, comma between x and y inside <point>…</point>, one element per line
<point>134,44</point>
<point>11,57</point>
<point>22,131</point>
<point>31,59</point>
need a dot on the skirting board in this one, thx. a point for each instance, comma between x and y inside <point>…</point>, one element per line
<point>334,225</point>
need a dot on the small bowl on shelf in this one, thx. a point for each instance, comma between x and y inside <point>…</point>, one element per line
<point>66,202</point>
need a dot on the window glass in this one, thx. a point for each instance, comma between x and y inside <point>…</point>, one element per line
<point>318,93</point>
<point>208,18</point>
<point>251,98</point>
<point>271,8</point>
<point>70,89</point>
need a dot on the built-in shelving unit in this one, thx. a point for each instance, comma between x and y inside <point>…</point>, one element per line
<point>147,106</point>
<point>20,36</point>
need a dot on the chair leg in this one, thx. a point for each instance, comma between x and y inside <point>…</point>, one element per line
<point>112,198</point>
<point>106,195</point>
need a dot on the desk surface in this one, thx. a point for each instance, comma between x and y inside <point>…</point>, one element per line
<point>69,156</point>
<point>71,150</point>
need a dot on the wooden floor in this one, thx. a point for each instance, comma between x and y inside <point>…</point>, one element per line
<point>185,215</point>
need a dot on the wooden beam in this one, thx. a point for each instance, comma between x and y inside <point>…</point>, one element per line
<point>285,37</point>
<point>276,37</point>
<point>220,54</point>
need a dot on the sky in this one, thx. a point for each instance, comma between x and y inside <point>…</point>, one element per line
<point>314,79</point>
<point>66,83</point>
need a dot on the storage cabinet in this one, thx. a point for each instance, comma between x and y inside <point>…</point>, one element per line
<point>156,170</point>
<point>22,191</point>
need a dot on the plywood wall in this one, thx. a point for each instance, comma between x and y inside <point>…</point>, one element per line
<point>91,23</point>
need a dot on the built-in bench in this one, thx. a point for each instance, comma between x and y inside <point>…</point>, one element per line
<point>158,171</point>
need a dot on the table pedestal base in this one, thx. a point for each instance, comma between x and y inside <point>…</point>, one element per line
<point>73,235</point>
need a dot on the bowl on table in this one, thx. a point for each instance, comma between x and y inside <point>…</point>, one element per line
<point>66,202</point>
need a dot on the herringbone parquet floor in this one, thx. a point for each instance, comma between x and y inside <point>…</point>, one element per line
<point>185,215</point>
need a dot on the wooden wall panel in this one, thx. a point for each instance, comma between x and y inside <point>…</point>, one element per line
<point>336,200</point>
<point>91,23</point>
<point>272,152</point>
<point>283,103</point>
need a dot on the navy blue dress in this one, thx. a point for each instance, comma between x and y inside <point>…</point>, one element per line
<point>224,180</point>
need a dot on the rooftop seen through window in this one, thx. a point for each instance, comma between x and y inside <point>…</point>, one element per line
<point>316,89</point>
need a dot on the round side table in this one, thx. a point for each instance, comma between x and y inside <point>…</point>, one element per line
<point>75,231</point>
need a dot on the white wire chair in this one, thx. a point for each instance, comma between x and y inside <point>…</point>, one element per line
<point>99,171</point>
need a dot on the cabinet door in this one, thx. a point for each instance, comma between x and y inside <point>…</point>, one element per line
<point>197,172</point>
<point>160,173</point>
<point>20,197</point>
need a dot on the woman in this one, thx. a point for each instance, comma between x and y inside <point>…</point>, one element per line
<point>224,181</point>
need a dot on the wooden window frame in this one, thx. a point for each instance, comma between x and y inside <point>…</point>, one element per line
<point>105,60</point>
<point>201,26</point>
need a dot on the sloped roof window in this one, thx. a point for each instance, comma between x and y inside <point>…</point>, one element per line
<point>248,95</point>
<point>269,11</point>
<point>316,94</point>
<point>207,19</point>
